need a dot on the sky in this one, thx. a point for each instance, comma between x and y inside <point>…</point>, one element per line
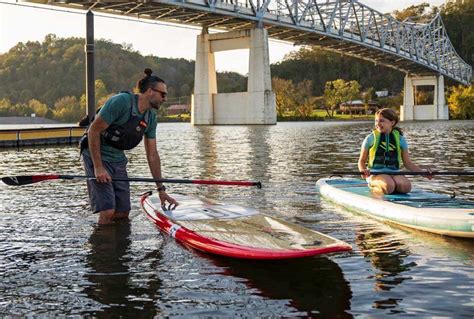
<point>20,22</point>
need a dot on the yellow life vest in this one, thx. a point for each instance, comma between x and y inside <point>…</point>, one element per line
<point>384,155</point>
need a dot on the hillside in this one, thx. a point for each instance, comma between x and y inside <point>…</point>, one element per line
<point>54,68</point>
<point>48,77</point>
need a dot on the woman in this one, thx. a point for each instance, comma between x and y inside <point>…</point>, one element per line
<point>385,150</point>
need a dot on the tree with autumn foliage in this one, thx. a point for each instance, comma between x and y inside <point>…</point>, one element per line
<point>304,99</point>
<point>339,91</point>
<point>461,102</point>
<point>284,95</point>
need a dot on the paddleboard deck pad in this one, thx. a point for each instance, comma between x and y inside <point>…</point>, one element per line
<point>419,209</point>
<point>235,231</point>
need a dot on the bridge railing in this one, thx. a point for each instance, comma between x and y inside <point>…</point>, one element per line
<point>426,44</point>
<point>410,47</point>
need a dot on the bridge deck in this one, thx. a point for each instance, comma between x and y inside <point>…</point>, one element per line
<point>345,26</point>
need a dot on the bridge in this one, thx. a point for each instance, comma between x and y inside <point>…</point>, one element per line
<point>345,26</point>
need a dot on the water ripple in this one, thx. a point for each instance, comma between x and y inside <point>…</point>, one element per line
<point>55,261</point>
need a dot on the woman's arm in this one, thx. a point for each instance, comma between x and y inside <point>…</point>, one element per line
<point>362,164</point>
<point>407,162</point>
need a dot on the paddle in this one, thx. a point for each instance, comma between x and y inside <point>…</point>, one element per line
<point>30,179</point>
<point>406,173</point>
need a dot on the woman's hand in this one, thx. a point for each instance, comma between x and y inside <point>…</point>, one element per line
<point>427,169</point>
<point>365,173</point>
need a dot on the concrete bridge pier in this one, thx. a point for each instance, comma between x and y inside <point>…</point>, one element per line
<point>430,107</point>
<point>257,105</point>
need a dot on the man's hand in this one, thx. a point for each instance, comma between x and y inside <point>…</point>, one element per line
<point>167,198</point>
<point>101,175</point>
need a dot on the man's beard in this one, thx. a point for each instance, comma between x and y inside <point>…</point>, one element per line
<point>156,105</point>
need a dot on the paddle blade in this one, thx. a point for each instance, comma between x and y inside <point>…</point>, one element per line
<point>27,179</point>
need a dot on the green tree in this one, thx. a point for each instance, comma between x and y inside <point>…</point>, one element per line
<point>55,69</point>
<point>416,13</point>
<point>185,90</point>
<point>101,96</point>
<point>20,109</point>
<point>339,91</point>
<point>304,99</point>
<point>100,91</point>
<point>68,109</point>
<point>392,102</point>
<point>5,107</point>
<point>458,18</point>
<point>320,66</point>
<point>369,95</point>
<point>228,82</point>
<point>284,95</point>
<point>461,102</point>
<point>40,109</point>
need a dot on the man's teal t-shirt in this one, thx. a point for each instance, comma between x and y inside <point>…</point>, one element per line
<point>117,111</point>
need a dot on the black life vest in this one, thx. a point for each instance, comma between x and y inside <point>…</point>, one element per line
<point>387,151</point>
<point>125,136</point>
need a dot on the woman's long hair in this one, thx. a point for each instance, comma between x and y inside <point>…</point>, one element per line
<point>390,115</point>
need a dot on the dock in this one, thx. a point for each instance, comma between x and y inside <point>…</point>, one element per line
<point>23,135</point>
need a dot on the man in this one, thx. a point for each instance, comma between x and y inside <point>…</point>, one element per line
<point>120,125</point>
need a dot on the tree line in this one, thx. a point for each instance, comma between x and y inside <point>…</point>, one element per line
<point>331,78</point>
<point>48,78</point>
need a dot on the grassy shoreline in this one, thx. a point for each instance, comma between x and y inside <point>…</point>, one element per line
<point>317,115</point>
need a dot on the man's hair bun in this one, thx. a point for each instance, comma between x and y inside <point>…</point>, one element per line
<point>148,71</point>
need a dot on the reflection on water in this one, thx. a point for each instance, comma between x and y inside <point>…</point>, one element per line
<point>111,278</point>
<point>401,259</point>
<point>54,261</point>
<point>386,252</point>
<point>314,286</point>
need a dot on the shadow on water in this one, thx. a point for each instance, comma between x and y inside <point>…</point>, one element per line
<point>314,286</point>
<point>112,283</point>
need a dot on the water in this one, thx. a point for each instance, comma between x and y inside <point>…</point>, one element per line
<point>55,261</point>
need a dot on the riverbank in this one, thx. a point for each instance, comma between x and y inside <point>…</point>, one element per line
<point>29,131</point>
<point>317,115</point>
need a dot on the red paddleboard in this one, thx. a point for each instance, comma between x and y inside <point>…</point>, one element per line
<point>235,231</point>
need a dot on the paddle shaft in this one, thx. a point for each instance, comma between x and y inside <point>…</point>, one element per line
<point>24,180</point>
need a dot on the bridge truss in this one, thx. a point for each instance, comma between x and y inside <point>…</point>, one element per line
<point>345,26</point>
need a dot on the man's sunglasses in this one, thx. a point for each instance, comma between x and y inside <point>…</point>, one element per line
<point>163,94</point>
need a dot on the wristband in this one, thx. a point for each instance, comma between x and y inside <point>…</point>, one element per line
<point>162,188</point>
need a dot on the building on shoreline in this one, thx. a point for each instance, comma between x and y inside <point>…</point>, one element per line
<point>358,107</point>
